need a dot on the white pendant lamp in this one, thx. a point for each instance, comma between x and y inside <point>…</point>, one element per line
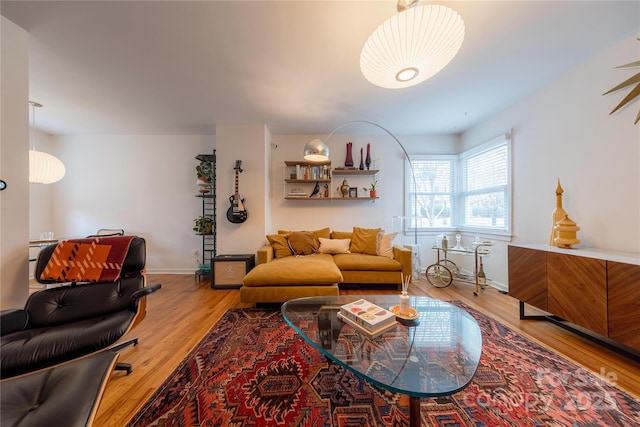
<point>412,46</point>
<point>43,168</point>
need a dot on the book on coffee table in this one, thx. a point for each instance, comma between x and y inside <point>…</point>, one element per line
<point>368,333</point>
<point>367,316</point>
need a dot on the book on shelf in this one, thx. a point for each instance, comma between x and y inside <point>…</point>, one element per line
<point>297,192</point>
<point>309,172</point>
<point>367,316</point>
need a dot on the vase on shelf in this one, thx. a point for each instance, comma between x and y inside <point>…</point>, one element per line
<point>368,160</point>
<point>361,160</point>
<point>344,188</point>
<point>348,163</point>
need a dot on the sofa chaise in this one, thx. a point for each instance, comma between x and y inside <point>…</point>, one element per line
<point>298,264</point>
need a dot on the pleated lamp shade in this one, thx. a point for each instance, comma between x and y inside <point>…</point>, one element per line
<point>44,168</point>
<point>412,46</point>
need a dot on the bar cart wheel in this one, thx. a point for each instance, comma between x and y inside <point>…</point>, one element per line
<point>439,275</point>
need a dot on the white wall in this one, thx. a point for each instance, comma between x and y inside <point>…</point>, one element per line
<point>14,166</point>
<point>143,184</point>
<point>565,131</point>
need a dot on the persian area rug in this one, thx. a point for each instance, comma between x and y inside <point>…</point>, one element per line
<point>252,369</point>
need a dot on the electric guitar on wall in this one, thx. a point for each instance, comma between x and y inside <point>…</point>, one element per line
<point>237,213</point>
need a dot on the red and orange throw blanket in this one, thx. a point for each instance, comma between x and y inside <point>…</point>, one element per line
<point>96,259</point>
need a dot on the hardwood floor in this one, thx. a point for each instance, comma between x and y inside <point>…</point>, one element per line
<point>183,311</point>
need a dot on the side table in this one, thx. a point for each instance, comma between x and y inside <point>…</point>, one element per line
<point>227,271</point>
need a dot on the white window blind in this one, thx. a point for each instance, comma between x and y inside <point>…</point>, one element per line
<point>435,190</point>
<point>485,187</point>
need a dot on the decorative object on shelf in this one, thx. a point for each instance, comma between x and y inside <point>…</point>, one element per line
<point>633,94</point>
<point>203,225</point>
<point>367,161</point>
<point>348,163</point>
<point>372,189</point>
<point>344,188</point>
<point>361,159</point>
<point>353,192</point>
<point>411,46</point>
<point>565,231</point>
<point>316,151</point>
<point>558,214</point>
<point>43,167</point>
<point>326,190</point>
<point>237,212</point>
<point>316,190</point>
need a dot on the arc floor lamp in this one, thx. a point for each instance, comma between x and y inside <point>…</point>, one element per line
<point>317,150</point>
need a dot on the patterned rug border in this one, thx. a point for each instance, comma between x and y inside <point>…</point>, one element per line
<point>506,328</point>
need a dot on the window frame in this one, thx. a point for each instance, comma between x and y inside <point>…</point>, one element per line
<point>460,194</point>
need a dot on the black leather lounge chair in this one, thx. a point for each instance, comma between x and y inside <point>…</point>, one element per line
<point>73,320</point>
<point>66,395</point>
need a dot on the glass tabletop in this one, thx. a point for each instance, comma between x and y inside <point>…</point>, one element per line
<point>436,354</point>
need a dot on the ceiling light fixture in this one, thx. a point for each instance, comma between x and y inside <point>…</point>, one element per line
<point>43,168</point>
<point>412,46</point>
<point>316,151</point>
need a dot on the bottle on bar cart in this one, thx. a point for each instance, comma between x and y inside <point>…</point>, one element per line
<point>482,278</point>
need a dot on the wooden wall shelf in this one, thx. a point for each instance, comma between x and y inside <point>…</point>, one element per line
<point>354,172</point>
<point>350,199</point>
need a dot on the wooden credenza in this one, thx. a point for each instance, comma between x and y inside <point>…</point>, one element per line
<point>597,290</point>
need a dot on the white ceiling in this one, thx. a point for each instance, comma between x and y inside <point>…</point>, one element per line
<point>178,67</point>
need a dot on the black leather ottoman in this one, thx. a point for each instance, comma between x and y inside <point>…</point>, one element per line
<point>63,395</point>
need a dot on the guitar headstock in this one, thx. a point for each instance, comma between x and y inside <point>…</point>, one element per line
<point>238,166</point>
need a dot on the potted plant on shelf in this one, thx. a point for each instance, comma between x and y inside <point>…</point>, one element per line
<point>203,225</point>
<point>204,171</point>
<point>372,189</point>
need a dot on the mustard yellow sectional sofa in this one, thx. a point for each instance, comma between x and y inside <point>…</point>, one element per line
<point>298,264</point>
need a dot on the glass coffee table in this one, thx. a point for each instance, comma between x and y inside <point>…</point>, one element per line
<point>434,354</point>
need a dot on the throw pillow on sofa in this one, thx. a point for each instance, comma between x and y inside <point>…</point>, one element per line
<point>280,245</point>
<point>365,240</point>
<point>323,232</point>
<point>385,247</point>
<point>303,242</point>
<point>334,246</point>
<point>341,234</point>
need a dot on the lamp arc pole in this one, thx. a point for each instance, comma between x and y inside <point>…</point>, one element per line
<point>413,175</point>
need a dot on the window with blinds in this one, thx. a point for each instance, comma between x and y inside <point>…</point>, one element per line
<point>469,192</point>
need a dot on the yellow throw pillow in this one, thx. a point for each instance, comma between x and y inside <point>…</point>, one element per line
<point>323,232</point>
<point>303,242</point>
<point>385,248</point>
<point>280,245</point>
<point>334,246</point>
<point>365,240</point>
<point>341,234</point>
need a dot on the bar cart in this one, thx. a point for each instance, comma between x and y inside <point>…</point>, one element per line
<point>444,271</point>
